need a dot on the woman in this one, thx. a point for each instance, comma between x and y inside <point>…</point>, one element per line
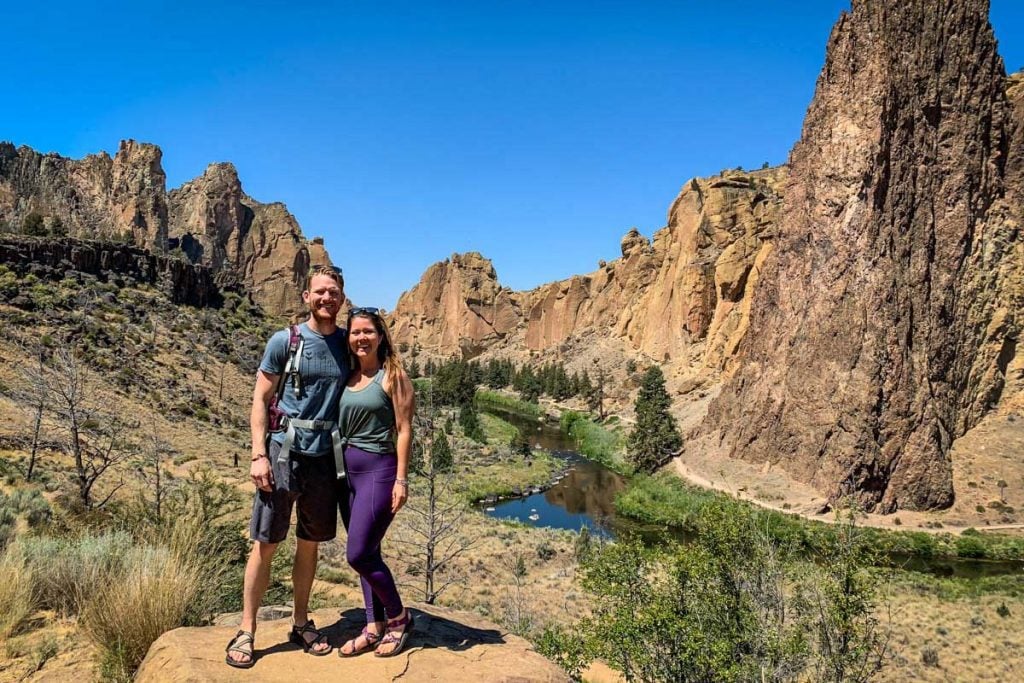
<point>375,419</point>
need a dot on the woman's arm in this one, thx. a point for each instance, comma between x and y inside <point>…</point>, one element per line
<point>404,401</point>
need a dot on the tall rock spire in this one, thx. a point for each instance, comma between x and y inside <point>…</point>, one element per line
<point>886,314</point>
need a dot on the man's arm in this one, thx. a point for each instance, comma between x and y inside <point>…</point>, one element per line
<point>260,471</point>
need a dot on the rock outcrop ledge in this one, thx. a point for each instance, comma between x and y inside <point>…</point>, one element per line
<point>446,645</point>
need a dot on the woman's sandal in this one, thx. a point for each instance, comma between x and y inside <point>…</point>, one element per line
<point>406,624</point>
<point>298,637</point>
<point>243,643</point>
<point>371,642</point>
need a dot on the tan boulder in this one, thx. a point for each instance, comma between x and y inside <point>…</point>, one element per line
<point>446,645</point>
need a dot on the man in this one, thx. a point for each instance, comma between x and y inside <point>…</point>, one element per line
<point>295,467</point>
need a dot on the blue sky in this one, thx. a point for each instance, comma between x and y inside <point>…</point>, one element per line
<point>534,132</point>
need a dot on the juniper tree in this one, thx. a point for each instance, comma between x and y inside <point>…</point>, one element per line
<point>655,436</point>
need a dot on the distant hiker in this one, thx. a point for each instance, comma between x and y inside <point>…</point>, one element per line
<point>295,403</point>
<point>375,419</point>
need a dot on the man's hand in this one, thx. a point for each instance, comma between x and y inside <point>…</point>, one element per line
<point>261,474</point>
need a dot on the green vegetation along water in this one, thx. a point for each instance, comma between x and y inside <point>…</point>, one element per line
<point>595,496</point>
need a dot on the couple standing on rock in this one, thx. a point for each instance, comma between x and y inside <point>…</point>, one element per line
<point>342,445</point>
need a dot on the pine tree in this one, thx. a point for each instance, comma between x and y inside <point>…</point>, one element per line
<point>34,224</point>
<point>655,435</point>
<point>441,459</point>
<point>471,423</point>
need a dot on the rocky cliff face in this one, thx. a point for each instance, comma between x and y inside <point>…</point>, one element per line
<point>213,221</point>
<point>687,286</point>
<point>457,307</point>
<point>662,297</point>
<point>55,259</point>
<point>887,310</point>
<point>259,247</point>
<point>122,198</point>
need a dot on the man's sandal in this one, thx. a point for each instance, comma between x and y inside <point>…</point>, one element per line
<point>388,639</point>
<point>369,636</point>
<point>298,637</point>
<point>243,644</point>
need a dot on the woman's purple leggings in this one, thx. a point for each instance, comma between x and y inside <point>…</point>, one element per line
<point>366,512</point>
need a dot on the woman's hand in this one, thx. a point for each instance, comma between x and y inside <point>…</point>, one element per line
<point>399,494</point>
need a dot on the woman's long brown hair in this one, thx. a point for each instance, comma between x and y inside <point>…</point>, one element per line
<point>387,354</point>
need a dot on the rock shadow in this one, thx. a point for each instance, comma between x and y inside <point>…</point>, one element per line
<point>430,631</point>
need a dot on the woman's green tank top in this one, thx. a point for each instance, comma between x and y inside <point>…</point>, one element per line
<point>366,417</point>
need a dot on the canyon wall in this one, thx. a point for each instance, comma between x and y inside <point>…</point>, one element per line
<point>686,286</point>
<point>259,247</point>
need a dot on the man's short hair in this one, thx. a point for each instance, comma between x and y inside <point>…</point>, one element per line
<point>328,271</point>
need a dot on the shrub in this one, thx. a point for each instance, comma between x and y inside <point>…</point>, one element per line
<point>970,546</point>
<point>30,503</point>
<point>566,649</point>
<point>68,571</point>
<point>34,224</point>
<point>545,552</point>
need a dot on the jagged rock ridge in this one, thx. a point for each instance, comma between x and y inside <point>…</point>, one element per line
<point>258,246</point>
<point>97,196</point>
<point>887,313</point>
<point>686,286</point>
<point>213,221</point>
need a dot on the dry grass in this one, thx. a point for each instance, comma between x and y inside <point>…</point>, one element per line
<point>956,640</point>
<point>16,583</point>
<point>151,597</point>
<point>67,572</point>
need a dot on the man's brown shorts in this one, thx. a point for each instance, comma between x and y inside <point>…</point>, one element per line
<point>311,486</point>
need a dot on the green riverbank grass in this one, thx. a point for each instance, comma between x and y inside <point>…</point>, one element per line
<point>665,499</point>
<point>955,588</point>
<point>498,432</point>
<point>501,478</point>
<point>494,399</point>
<point>603,445</point>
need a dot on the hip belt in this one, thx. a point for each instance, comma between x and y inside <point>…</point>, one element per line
<point>338,442</point>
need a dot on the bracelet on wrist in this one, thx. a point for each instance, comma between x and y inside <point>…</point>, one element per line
<point>402,482</point>
<point>259,457</point>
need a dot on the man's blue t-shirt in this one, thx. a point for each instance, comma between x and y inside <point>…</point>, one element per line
<point>324,371</point>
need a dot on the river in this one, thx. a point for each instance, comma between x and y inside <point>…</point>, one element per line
<point>585,497</point>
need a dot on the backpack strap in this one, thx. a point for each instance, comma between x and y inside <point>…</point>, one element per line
<point>291,367</point>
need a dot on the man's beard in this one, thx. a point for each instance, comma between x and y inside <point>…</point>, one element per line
<point>320,317</point>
